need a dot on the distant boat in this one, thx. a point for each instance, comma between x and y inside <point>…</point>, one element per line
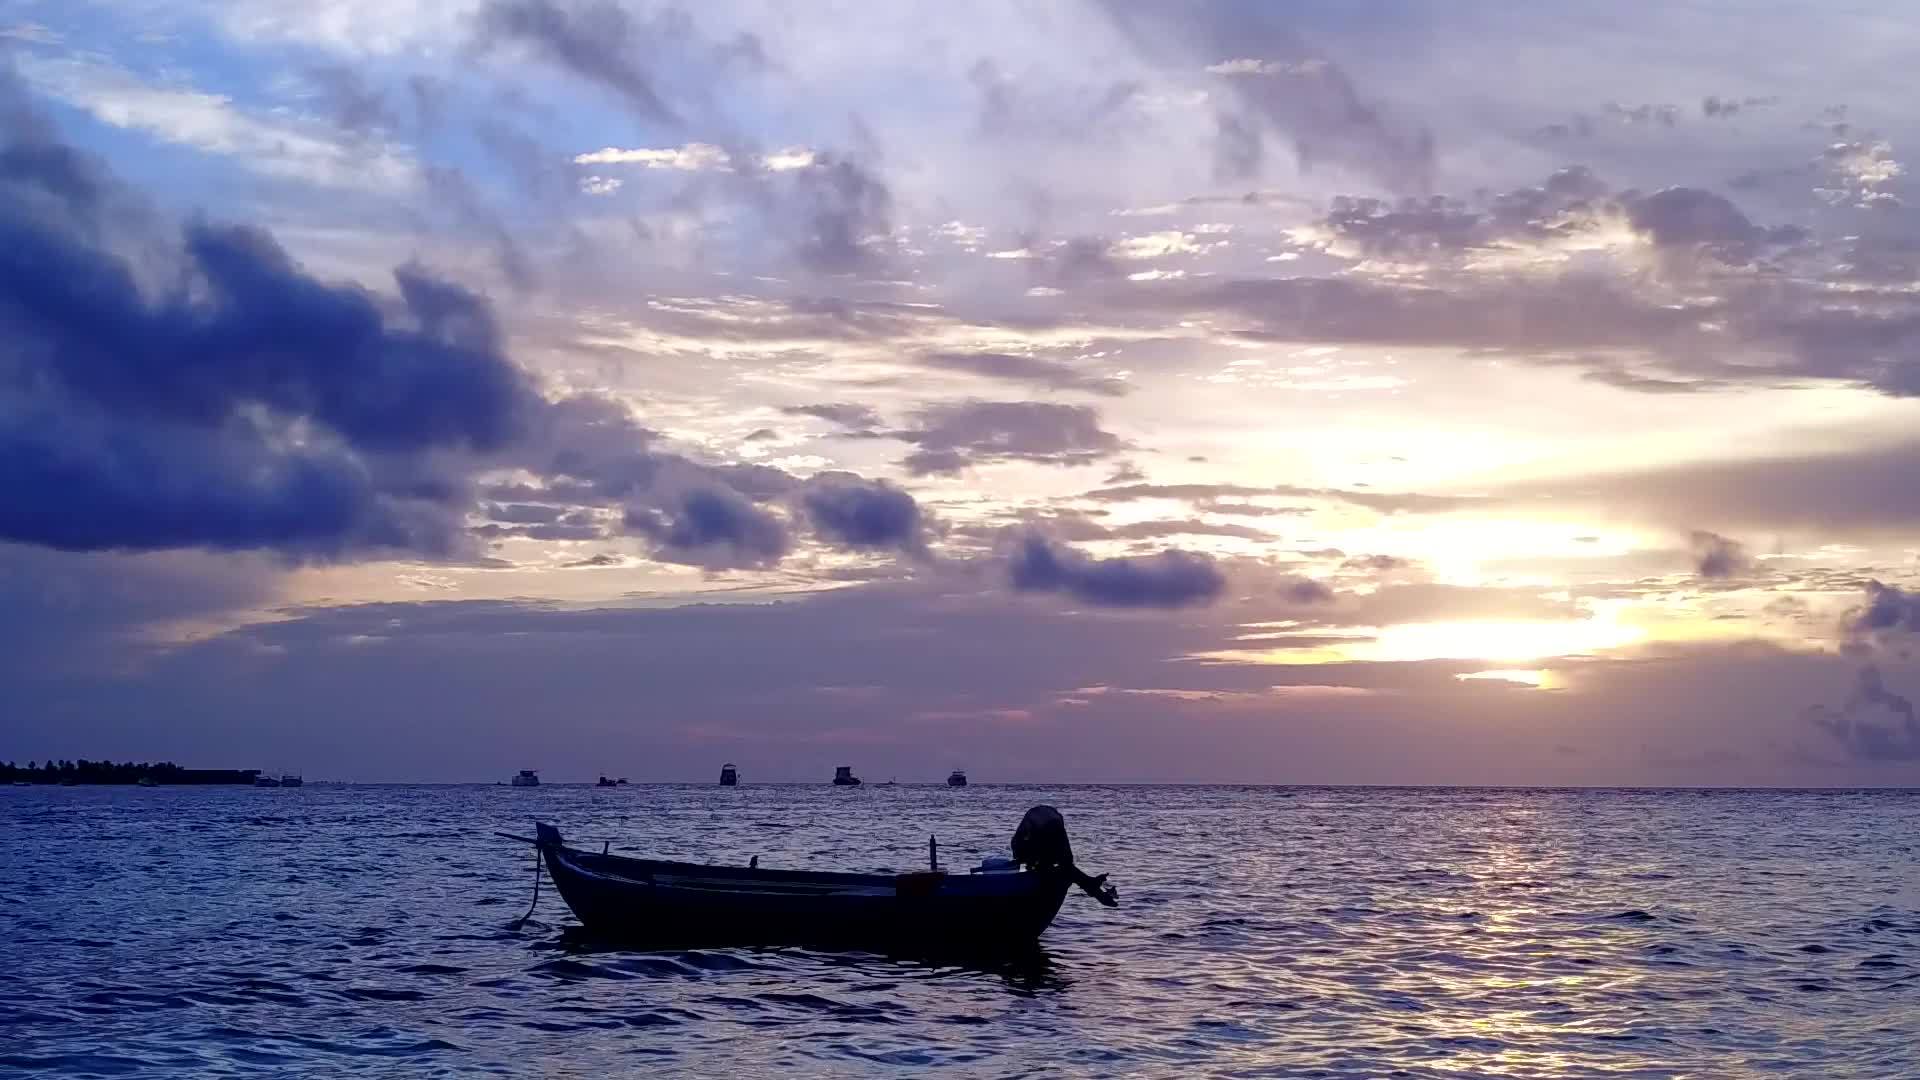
<point>729,776</point>
<point>843,776</point>
<point>604,782</point>
<point>956,778</point>
<point>265,781</point>
<point>291,779</point>
<point>888,783</point>
<point>527,778</point>
<point>145,781</point>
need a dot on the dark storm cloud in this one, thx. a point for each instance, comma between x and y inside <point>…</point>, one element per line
<point>596,40</point>
<point>1567,204</point>
<point>214,394</point>
<point>849,416</point>
<point>1171,579</point>
<point>136,416</point>
<point>1306,591</point>
<point>1888,611</point>
<point>841,212</point>
<point>715,528</point>
<point>1691,219</point>
<point>952,437</point>
<point>1875,723</point>
<point>1717,557</point>
<point>863,515</point>
<point>1019,368</point>
<point>1282,85</point>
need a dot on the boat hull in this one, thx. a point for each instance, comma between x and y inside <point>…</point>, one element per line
<point>681,904</point>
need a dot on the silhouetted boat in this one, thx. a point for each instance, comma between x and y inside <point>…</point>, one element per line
<point>843,776</point>
<point>145,781</point>
<point>527,778</point>
<point>604,782</point>
<point>729,776</point>
<point>956,778</point>
<point>1001,904</point>
<point>291,780</point>
<point>265,781</point>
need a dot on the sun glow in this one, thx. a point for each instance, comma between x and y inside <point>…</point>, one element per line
<point>1537,678</point>
<point>1518,641</point>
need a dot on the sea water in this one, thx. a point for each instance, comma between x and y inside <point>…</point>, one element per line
<point>335,931</point>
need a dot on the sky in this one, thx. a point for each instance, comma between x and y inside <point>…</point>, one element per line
<point>1102,390</point>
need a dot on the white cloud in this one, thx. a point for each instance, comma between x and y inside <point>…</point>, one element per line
<point>1247,66</point>
<point>601,185</point>
<point>696,157</point>
<point>277,146</point>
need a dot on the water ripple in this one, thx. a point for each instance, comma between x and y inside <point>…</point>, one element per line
<point>1265,932</point>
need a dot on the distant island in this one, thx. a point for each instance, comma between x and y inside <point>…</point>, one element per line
<point>111,772</point>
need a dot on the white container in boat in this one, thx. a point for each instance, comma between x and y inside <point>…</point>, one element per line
<point>996,864</point>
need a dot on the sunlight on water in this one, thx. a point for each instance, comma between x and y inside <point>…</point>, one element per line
<point>1343,933</point>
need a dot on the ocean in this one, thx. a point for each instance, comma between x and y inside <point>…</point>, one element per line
<point>1271,932</point>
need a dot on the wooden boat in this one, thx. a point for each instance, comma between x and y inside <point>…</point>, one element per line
<point>1001,905</point>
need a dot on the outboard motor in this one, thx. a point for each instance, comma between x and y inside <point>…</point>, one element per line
<point>1041,844</point>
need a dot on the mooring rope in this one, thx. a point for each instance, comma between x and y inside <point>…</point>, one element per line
<point>522,920</point>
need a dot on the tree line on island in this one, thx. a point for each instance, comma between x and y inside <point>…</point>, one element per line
<point>114,772</point>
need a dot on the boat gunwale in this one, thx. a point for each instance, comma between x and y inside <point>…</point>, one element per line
<point>627,871</point>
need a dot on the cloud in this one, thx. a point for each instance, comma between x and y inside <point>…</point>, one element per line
<point>849,416</point>
<point>1302,590</point>
<point>1875,724</point>
<point>1379,563</point>
<point>1867,490</point>
<point>841,213</point>
<point>954,436</point>
<point>1281,85</point>
<point>1690,219</point>
<point>716,528</point>
<point>863,515</point>
<point>1020,368</point>
<point>272,145</point>
<point>1716,557</point>
<point>1381,501</point>
<point>1888,611</point>
<point>596,40</point>
<point>242,403</point>
<point>353,105</point>
<point>1171,579</point>
<point>1053,115</point>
